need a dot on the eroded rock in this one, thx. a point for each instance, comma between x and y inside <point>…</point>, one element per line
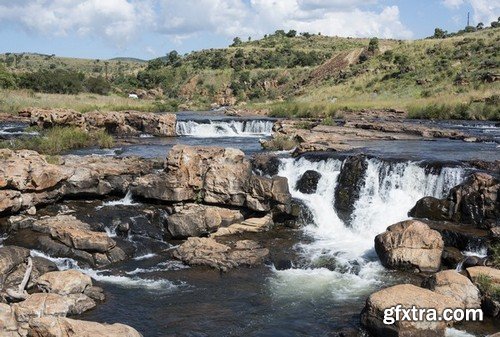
<point>453,284</point>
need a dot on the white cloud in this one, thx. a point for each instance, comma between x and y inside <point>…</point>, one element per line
<point>121,21</point>
<point>116,20</point>
<point>484,11</point>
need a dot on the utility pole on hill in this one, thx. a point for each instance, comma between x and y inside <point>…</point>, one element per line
<point>468,19</point>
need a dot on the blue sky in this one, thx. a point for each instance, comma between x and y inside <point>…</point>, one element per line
<point>150,28</point>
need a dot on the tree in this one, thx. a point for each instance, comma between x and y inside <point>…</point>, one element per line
<point>373,45</point>
<point>173,58</point>
<point>480,25</point>
<point>291,33</point>
<point>439,33</point>
<point>97,85</point>
<point>236,42</point>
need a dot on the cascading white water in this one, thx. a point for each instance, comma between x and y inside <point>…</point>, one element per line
<point>127,200</point>
<point>231,128</point>
<point>388,193</point>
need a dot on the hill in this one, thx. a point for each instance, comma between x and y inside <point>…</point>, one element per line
<point>311,75</point>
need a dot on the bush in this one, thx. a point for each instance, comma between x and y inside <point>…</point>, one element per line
<point>97,85</point>
<point>61,139</point>
<point>280,143</point>
<point>56,82</point>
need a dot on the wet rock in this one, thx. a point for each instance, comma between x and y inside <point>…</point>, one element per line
<point>461,236</point>
<point>308,183</point>
<point>266,164</point>
<point>66,236</point>
<point>410,245</point>
<point>349,184</point>
<point>66,327</point>
<point>406,295</point>
<point>451,283</point>
<point>10,258</point>
<point>451,257</point>
<point>198,220</point>
<point>64,282</point>
<point>475,202</point>
<point>119,123</point>
<point>208,252</point>
<point>95,293</point>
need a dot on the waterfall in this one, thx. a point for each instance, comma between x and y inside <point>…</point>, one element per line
<point>389,191</point>
<point>127,200</point>
<point>221,128</point>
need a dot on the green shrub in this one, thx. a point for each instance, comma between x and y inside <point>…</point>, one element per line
<point>280,143</point>
<point>488,287</point>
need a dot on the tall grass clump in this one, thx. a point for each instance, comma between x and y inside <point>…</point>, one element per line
<point>488,109</point>
<point>59,140</point>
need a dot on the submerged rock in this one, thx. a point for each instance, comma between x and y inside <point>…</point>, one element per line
<point>408,245</point>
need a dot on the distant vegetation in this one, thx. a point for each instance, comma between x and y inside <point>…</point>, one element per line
<point>449,75</point>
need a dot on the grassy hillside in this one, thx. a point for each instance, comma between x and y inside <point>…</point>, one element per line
<point>302,75</point>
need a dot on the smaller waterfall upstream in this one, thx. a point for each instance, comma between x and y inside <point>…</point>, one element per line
<point>340,257</point>
<point>224,128</point>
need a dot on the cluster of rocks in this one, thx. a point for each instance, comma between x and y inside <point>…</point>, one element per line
<point>311,136</point>
<point>28,180</point>
<point>36,298</point>
<point>115,122</point>
<point>427,245</point>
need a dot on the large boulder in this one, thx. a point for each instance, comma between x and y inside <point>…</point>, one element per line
<point>453,284</point>
<point>64,282</point>
<point>66,327</point>
<point>410,244</point>
<point>492,273</point>
<point>476,202</point>
<point>349,184</point>
<point>208,252</point>
<point>8,322</point>
<point>406,296</point>
<point>308,183</point>
<point>213,175</point>
<point>11,257</point>
<point>198,220</point>
<point>66,236</point>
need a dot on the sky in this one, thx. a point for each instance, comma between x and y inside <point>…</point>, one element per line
<point>151,28</point>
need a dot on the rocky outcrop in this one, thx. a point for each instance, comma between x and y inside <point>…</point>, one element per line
<point>475,202</point>
<point>349,184</point>
<point>64,282</point>
<point>492,273</point>
<point>214,175</point>
<point>66,236</point>
<point>410,245</point>
<point>209,252</point>
<point>487,280</point>
<point>252,225</point>
<point>199,220</point>
<point>27,179</point>
<point>66,327</point>
<point>119,123</point>
<point>406,296</point>
<point>308,183</point>
<point>453,284</point>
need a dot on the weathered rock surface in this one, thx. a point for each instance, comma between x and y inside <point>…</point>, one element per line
<point>120,123</point>
<point>64,282</point>
<point>253,225</point>
<point>27,180</point>
<point>475,202</point>
<point>408,245</point>
<point>66,236</point>
<point>214,175</point>
<point>198,220</point>
<point>492,273</point>
<point>308,183</point>
<point>350,182</point>
<point>453,284</point>
<point>406,295</point>
<point>66,327</point>
<point>208,252</point>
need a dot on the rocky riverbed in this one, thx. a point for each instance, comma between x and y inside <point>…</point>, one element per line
<point>216,241</point>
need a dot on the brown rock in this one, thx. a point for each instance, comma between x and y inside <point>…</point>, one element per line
<point>453,284</point>
<point>10,258</point>
<point>492,273</point>
<point>64,282</point>
<point>410,244</point>
<point>407,296</point>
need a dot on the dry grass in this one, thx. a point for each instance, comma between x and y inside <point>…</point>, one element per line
<point>11,101</point>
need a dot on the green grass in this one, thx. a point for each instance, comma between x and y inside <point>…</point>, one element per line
<point>488,110</point>
<point>280,143</point>
<point>58,140</point>
<point>487,287</point>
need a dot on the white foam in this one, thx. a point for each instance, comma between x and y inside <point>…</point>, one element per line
<point>127,200</point>
<point>451,332</point>
<point>144,257</point>
<point>232,128</point>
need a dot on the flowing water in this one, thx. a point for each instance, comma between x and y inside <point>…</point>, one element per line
<point>332,269</point>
